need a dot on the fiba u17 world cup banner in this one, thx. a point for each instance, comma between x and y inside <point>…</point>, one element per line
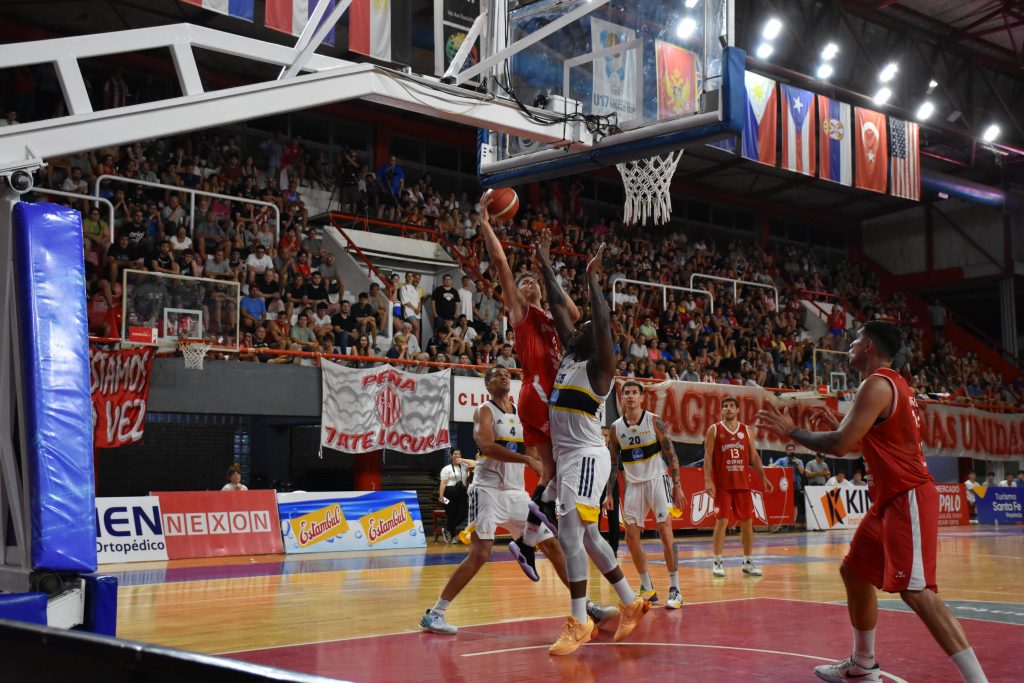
<point>120,389</point>
<point>373,408</point>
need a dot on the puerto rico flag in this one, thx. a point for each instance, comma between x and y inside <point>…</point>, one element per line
<point>904,159</point>
<point>291,16</point>
<point>759,127</point>
<point>241,9</point>
<point>872,171</point>
<point>381,29</point>
<point>798,130</point>
<point>835,148</point>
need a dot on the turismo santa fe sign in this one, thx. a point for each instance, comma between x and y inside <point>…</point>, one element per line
<point>316,522</point>
<point>999,504</point>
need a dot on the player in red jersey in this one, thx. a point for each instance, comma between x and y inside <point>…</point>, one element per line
<point>729,455</point>
<point>894,547</point>
<point>540,353</point>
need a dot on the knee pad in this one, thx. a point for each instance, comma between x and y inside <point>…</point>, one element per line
<point>599,550</point>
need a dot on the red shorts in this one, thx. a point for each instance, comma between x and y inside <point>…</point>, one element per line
<point>533,413</point>
<point>733,504</point>
<point>894,549</point>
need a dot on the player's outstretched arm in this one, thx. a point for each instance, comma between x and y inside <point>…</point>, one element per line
<point>545,252</point>
<point>557,301</point>
<point>600,368</point>
<point>668,453</point>
<point>709,460</point>
<point>873,400</point>
<point>510,296</point>
<point>483,435</point>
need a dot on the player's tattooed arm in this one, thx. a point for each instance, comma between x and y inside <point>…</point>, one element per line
<point>616,453</point>
<point>556,298</point>
<point>668,451</point>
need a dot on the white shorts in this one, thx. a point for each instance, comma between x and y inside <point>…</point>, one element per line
<point>490,508</point>
<point>654,495</point>
<point>582,476</point>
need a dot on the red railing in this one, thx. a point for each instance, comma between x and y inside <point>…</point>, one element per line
<point>370,268</point>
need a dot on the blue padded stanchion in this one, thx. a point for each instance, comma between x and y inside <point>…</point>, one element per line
<point>100,605</point>
<point>28,607</point>
<point>50,272</point>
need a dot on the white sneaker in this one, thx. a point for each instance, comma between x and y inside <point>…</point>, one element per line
<point>717,568</point>
<point>675,600</point>
<point>750,568</point>
<point>847,670</point>
<point>435,623</point>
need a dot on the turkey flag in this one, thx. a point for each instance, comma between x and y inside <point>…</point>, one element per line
<point>872,157</point>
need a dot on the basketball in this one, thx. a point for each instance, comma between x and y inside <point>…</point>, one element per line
<point>504,204</point>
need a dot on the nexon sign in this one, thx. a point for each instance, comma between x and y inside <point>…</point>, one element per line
<point>219,523</point>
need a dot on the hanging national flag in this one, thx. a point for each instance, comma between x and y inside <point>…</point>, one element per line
<point>291,16</point>
<point>905,159</point>
<point>381,29</point>
<point>798,130</point>
<point>836,153</point>
<point>677,79</point>
<point>759,127</point>
<point>872,171</point>
<point>241,9</point>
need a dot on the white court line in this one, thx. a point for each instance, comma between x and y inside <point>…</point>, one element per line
<point>419,630</point>
<point>892,677</point>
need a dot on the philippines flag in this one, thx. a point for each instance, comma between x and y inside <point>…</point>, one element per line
<point>904,159</point>
<point>242,9</point>
<point>798,130</point>
<point>291,16</point>
<point>381,29</point>
<point>872,171</point>
<point>836,154</point>
<point>759,127</point>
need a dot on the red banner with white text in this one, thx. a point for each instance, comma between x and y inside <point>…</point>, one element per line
<point>689,408</point>
<point>120,389</point>
<point>953,507</point>
<point>220,523</point>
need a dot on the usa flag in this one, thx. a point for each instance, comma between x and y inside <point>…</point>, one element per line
<point>904,159</point>
<point>798,130</point>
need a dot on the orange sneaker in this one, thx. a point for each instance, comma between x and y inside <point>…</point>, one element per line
<point>574,634</point>
<point>631,615</point>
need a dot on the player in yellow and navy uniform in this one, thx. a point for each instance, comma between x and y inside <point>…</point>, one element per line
<point>639,441</point>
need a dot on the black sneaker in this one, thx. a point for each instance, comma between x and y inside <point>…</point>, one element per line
<point>546,513</point>
<point>526,555</point>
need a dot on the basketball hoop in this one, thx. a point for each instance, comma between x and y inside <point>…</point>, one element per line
<point>647,182</point>
<point>194,352</point>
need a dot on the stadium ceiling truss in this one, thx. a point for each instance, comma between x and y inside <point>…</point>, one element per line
<point>973,49</point>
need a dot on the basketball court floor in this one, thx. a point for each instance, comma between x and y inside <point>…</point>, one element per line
<point>355,617</point>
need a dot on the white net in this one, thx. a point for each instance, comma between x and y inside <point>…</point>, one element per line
<point>646,182</point>
<point>194,353</point>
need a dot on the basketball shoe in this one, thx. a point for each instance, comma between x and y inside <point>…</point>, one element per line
<point>601,613</point>
<point>631,616</point>
<point>526,556</point>
<point>847,670</point>
<point>717,568</point>
<point>573,634</point>
<point>435,623</point>
<point>648,594</point>
<point>750,568</point>
<point>675,600</point>
<point>546,513</point>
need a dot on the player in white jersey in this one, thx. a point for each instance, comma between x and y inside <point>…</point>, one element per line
<point>582,461</point>
<point>640,442</point>
<point>498,497</point>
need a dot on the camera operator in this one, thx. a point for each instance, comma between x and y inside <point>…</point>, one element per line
<point>392,179</point>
